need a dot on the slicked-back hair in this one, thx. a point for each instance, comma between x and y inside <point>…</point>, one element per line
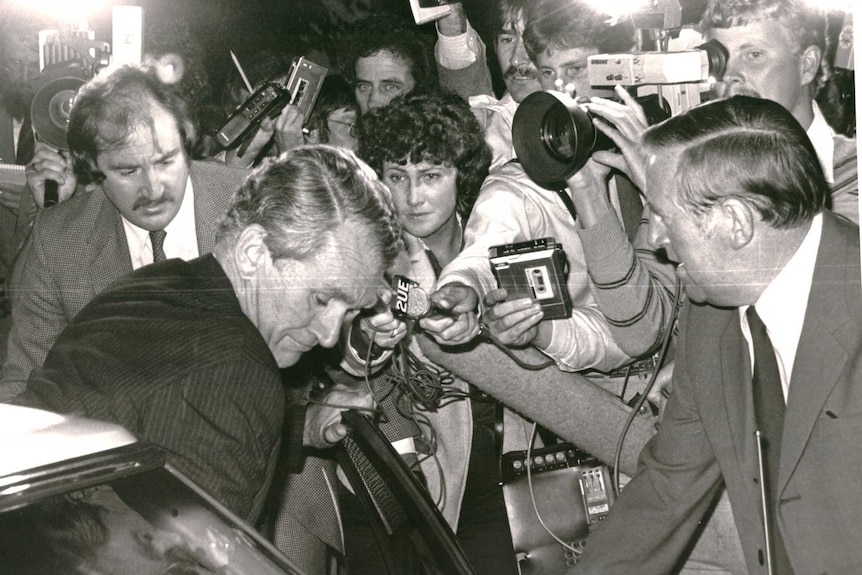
<point>554,25</point>
<point>303,196</point>
<point>403,39</point>
<point>436,127</point>
<point>109,108</point>
<point>806,24</point>
<point>745,148</point>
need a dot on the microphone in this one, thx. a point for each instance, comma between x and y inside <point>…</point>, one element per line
<point>411,301</point>
<point>51,194</point>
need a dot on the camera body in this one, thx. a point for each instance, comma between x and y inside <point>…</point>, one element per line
<point>303,86</point>
<point>640,68</point>
<point>534,269</point>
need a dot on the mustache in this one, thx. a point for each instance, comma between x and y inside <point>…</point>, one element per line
<point>740,91</point>
<point>522,71</point>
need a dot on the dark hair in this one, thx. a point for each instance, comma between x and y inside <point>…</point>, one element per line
<point>109,108</point>
<point>402,38</point>
<point>566,24</point>
<point>304,195</point>
<point>743,147</point>
<point>335,94</point>
<point>508,12</point>
<point>806,24</point>
<point>436,127</point>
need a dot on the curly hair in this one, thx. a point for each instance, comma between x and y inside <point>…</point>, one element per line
<point>433,126</point>
<point>399,36</point>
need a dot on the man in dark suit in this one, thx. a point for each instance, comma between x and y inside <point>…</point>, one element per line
<point>738,198</point>
<point>129,137</point>
<point>187,355</point>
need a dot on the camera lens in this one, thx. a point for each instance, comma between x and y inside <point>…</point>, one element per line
<point>553,137</point>
<point>558,134</point>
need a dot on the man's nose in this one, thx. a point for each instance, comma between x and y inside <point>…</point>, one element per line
<point>519,54</point>
<point>377,99</point>
<point>656,236</point>
<point>328,325</point>
<point>151,185</point>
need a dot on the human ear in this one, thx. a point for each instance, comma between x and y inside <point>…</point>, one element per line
<point>809,62</point>
<point>741,219</point>
<point>250,250</point>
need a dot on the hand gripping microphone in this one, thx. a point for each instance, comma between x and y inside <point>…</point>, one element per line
<point>413,302</point>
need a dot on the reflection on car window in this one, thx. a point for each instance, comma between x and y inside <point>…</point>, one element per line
<point>95,532</point>
<point>124,512</point>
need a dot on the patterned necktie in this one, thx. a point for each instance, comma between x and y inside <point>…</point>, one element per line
<point>157,238</point>
<point>769,414</point>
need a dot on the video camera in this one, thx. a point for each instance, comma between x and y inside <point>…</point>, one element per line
<point>554,135</point>
<point>303,86</point>
<point>70,56</point>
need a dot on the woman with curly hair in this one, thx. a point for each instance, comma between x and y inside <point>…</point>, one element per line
<point>429,149</point>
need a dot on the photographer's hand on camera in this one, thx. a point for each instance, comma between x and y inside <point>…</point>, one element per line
<point>448,330</point>
<point>623,123</point>
<point>50,164</point>
<point>515,323</point>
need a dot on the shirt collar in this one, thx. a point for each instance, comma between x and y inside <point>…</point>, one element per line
<point>181,239</point>
<point>783,303</point>
<point>821,136</point>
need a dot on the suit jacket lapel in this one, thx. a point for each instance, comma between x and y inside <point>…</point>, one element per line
<point>206,214</point>
<point>820,356</point>
<point>736,385</point>
<point>110,249</point>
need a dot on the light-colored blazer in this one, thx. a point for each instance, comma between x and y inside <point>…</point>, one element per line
<point>707,438</point>
<point>75,251</point>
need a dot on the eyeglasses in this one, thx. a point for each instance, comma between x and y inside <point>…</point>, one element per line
<point>343,123</point>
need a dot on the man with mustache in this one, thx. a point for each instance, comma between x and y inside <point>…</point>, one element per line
<point>129,137</point>
<point>519,73</point>
<point>777,51</point>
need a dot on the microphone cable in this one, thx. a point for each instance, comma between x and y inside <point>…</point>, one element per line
<point>636,409</point>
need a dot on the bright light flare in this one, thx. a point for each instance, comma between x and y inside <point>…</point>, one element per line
<point>75,12</point>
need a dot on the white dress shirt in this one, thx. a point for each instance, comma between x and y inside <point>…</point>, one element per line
<point>180,242</point>
<point>783,303</point>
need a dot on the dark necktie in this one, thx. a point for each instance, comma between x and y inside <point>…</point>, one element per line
<point>157,238</point>
<point>26,143</point>
<point>769,415</point>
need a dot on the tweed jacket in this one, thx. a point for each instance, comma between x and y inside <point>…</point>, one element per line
<point>706,438</point>
<point>75,251</point>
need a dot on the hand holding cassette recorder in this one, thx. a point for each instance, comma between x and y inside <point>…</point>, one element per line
<point>534,269</point>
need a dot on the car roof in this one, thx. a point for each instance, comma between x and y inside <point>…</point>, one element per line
<point>35,437</point>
